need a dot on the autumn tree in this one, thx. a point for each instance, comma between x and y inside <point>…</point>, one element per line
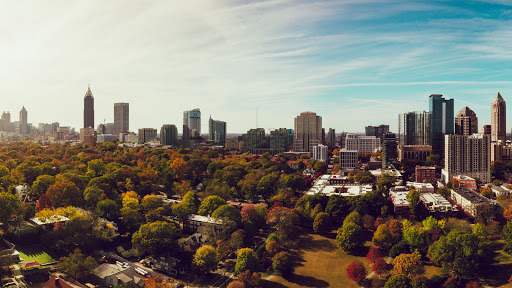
<point>285,220</point>
<point>373,254</point>
<point>151,202</point>
<point>155,281</point>
<point>379,266</point>
<point>249,280</point>
<point>155,237</point>
<point>77,265</point>
<point>395,228</point>
<point>246,260</point>
<point>205,259</point>
<point>409,265</point>
<point>42,183</point>
<point>64,193</point>
<point>273,247</point>
<point>282,263</point>
<point>236,284</point>
<point>356,271</point>
<point>382,237</point>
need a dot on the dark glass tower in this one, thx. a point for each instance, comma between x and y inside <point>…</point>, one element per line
<point>88,109</point>
<point>442,121</point>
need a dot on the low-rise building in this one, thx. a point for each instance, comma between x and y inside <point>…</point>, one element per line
<point>8,251</point>
<point>473,203</point>
<point>414,152</point>
<point>425,173</point>
<point>390,172</point>
<point>437,204</point>
<point>323,186</point>
<point>60,280</point>
<point>112,275</point>
<point>466,182</point>
<point>204,225</point>
<point>422,187</point>
<point>399,199</point>
<point>501,190</point>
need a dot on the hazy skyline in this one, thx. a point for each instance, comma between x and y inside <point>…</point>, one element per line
<point>354,62</point>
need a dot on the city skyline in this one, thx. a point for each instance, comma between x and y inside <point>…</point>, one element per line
<point>333,58</point>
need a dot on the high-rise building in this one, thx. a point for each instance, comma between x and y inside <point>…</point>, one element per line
<point>23,121</point>
<point>55,125</point>
<point>194,122</point>
<point>442,121</point>
<point>6,116</point>
<point>377,131</point>
<point>320,153</point>
<point>348,159</point>
<point>291,136</point>
<point>121,118</point>
<point>254,138</point>
<point>466,122</point>
<point>331,138</point>
<point>169,135</point>
<point>88,109</point>
<point>102,129</point>
<point>468,156</point>
<point>363,144</point>
<point>498,120</point>
<point>414,128</point>
<point>308,132</point>
<point>486,130</point>
<point>389,150</point>
<point>217,131</point>
<point>279,139</point>
<point>147,134</point>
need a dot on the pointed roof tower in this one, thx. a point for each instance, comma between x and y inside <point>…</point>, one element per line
<point>498,98</point>
<point>88,93</point>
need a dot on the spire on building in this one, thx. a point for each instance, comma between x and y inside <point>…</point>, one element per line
<point>498,97</point>
<point>88,93</point>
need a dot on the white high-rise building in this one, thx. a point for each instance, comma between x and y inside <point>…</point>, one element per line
<point>468,156</point>
<point>363,144</point>
<point>320,153</point>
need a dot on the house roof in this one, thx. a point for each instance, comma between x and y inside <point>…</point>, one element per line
<point>62,281</point>
<point>107,269</point>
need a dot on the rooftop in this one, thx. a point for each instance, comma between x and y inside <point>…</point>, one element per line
<point>205,219</point>
<point>471,196</point>
<point>322,185</point>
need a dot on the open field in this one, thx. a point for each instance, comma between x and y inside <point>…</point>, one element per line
<point>34,253</point>
<point>321,264</point>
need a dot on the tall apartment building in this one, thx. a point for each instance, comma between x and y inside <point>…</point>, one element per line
<point>308,132</point>
<point>88,109</point>
<point>467,155</point>
<point>466,122</point>
<point>169,135</point>
<point>414,128</point>
<point>279,139</point>
<point>348,159</point>
<point>217,131</point>
<point>363,144</point>
<point>442,121</point>
<point>377,131</point>
<point>23,121</point>
<point>254,138</point>
<point>291,136</point>
<point>331,138</point>
<point>320,153</point>
<point>486,130</point>
<point>121,118</point>
<point>498,119</point>
<point>147,134</point>
<point>192,124</point>
<point>389,150</point>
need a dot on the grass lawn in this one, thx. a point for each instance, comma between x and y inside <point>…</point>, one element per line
<point>34,253</point>
<point>321,264</point>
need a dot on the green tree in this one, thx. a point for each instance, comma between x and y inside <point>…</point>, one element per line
<point>350,237</point>
<point>151,202</point>
<point>107,209</point>
<point>382,237</point>
<point>191,200</point>
<point>246,260</point>
<point>227,212</point>
<point>77,265</point>
<point>9,205</point>
<point>338,207</point>
<point>353,217</point>
<point>205,259</point>
<point>41,184</point>
<point>429,223</point>
<point>398,281</point>
<point>506,235</point>
<point>156,237</point>
<point>210,204</point>
<point>414,237</point>
<point>181,211</point>
<point>322,223</point>
<point>282,263</point>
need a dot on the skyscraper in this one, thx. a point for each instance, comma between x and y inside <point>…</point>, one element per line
<point>389,151</point>
<point>498,120</point>
<point>88,109</point>
<point>414,128</point>
<point>146,135</point>
<point>468,156</point>
<point>331,138</point>
<point>279,139</point>
<point>308,132</point>
<point>466,122</point>
<point>192,124</point>
<point>216,131</point>
<point>169,135</point>
<point>121,118</point>
<point>23,121</point>
<point>442,121</point>
<point>378,131</point>
<point>254,138</point>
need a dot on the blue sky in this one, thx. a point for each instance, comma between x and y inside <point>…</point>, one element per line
<point>354,62</point>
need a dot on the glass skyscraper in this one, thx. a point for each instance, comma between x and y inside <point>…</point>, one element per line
<point>442,121</point>
<point>414,128</point>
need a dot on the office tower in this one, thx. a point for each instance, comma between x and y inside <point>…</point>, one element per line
<point>498,120</point>
<point>363,144</point>
<point>466,122</point>
<point>323,136</point>
<point>348,159</point>
<point>254,138</point>
<point>320,153</point>
<point>23,121</point>
<point>88,109</point>
<point>442,121</point>
<point>169,135</point>
<point>102,129</point>
<point>486,130</point>
<point>389,150</point>
<point>186,129</point>
<point>109,129</point>
<point>468,156</point>
<point>146,135</point>
<point>377,131</point>
<point>55,125</point>
<point>216,131</point>
<point>194,123</point>
<point>291,136</point>
<point>414,128</point>
<point>6,116</point>
<point>308,132</point>
<point>121,118</point>
<point>279,139</point>
<point>331,138</point>
<point>343,137</point>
